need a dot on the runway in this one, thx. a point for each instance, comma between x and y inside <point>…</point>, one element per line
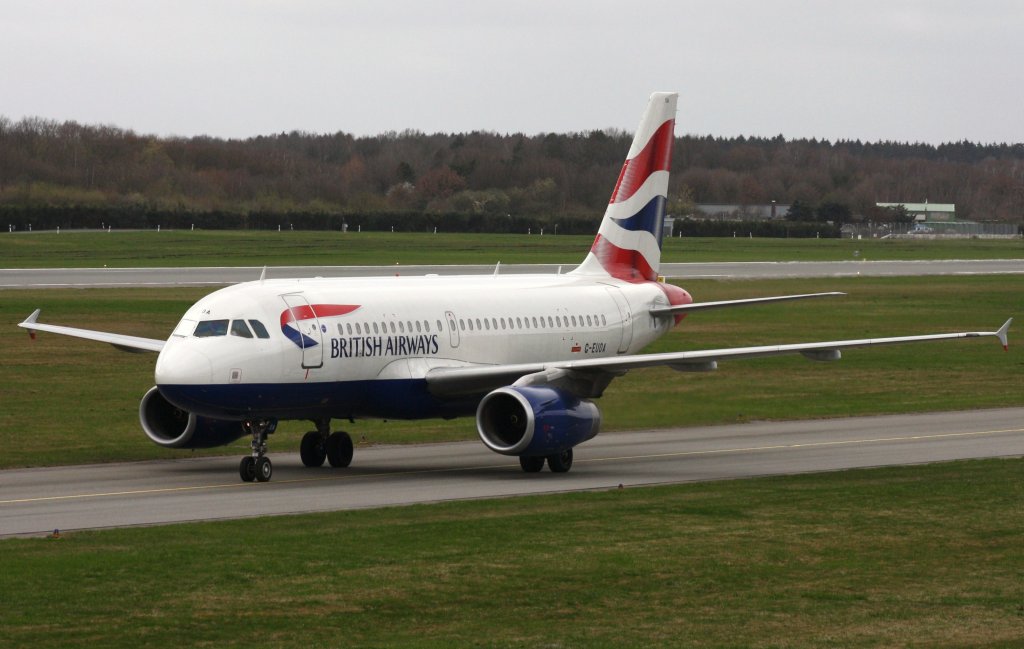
<point>214,276</point>
<point>36,501</point>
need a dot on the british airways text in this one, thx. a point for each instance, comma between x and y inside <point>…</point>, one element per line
<point>369,346</point>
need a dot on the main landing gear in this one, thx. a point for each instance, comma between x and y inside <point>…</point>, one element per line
<point>558,463</point>
<point>257,466</point>
<point>321,444</point>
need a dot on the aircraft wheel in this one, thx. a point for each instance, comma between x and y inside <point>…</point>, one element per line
<point>560,462</point>
<point>247,468</point>
<point>339,449</point>
<point>312,450</point>
<point>531,464</point>
<point>264,469</point>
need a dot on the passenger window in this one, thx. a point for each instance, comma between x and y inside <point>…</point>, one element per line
<point>502,323</point>
<point>375,329</point>
<point>238,328</point>
<point>401,327</point>
<point>210,328</point>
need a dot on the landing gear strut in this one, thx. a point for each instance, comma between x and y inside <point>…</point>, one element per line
<point>257,466</point>
<point>321,444</point>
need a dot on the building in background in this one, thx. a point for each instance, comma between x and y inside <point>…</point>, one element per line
<point>927,212</point>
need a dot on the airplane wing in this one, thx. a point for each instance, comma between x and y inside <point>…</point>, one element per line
<point>588,377</point>
<point>122,342</point>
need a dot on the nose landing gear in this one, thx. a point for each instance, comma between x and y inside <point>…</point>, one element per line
<point>257,466</point>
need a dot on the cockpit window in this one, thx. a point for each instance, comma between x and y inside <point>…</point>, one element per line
<point>238,328</point>
<point>185,328</point>
<point>208,328</point>
<point>261,331</point>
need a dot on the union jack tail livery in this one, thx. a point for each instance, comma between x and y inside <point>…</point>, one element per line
<point>628,244</point>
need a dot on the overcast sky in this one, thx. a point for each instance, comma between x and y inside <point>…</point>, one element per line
<point>929,70</point>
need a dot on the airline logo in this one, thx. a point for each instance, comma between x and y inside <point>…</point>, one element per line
<point>628,246</point>
<point>628,243</point>
<point>294,319</point>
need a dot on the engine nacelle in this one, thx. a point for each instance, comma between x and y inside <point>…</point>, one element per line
<point>169,426</point>
<point>535,421</point>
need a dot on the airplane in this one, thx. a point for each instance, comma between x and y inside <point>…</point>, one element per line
<point>525,354</point>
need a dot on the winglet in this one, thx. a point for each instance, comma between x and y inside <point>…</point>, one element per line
<point>1001,334</point>
<point>31,320</point>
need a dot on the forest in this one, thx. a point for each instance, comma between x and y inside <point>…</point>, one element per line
<point>72,175</point>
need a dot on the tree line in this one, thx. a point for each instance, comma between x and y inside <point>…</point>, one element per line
<point>480,180</point>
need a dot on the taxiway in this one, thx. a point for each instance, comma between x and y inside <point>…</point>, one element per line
<point>36,501</point>
<point>216,276</point>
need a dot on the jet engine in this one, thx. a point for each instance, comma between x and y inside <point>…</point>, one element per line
<point>535,421</point>
<point>171,427</point>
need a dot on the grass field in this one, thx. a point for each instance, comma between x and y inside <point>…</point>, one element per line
<point>912,557</point>
<point>924,556</point>
<point>238,248</point>
<point>70,401</point>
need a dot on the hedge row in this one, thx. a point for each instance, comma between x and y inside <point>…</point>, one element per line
<point>77,218</point>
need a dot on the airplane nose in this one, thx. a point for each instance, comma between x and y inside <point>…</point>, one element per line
<point>181,364</point>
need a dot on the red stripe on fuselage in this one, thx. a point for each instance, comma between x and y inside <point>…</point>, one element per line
<point>656,156</point>
<point>316,311</point>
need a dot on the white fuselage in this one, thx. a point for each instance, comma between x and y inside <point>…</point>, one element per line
<point>368,356</point>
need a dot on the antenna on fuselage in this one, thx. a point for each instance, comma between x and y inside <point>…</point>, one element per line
<point>263,274</point>
<point>497,268</point>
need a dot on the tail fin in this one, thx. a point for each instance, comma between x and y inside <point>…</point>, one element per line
<point>628,244</point>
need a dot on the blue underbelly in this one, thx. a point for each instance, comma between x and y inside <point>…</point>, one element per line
<point>385,399</point>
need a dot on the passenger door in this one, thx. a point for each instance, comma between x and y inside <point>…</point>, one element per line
<point>306,330</point>
<point>453,328</point>
<point>625,317</point>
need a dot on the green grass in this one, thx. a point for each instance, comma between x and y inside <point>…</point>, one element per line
<point>924,556</point>
<point>71,401</point>
<point>251,248</point>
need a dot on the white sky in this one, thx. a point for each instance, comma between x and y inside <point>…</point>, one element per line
<point>929,70</point>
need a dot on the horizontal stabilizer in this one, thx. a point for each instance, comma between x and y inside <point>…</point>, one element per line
<point>703,306</point>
